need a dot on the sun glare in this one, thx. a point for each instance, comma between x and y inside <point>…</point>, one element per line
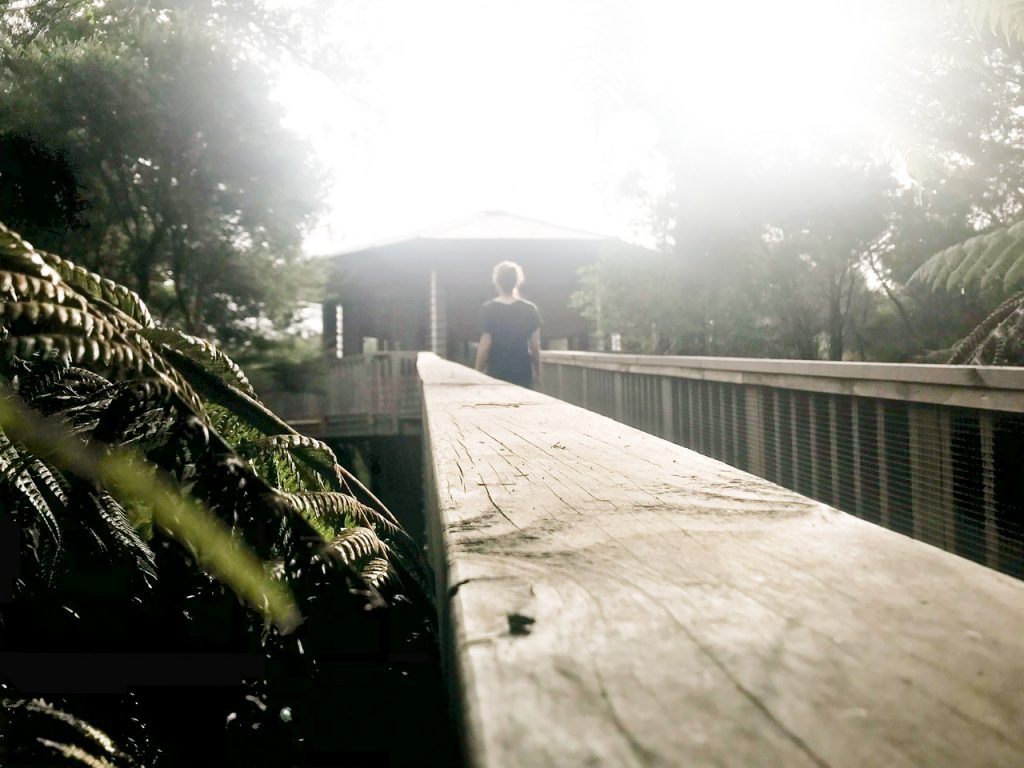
<point>550,108</point>
<point>744,72</point>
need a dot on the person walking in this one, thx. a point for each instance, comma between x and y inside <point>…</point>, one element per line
<point>510,342</point>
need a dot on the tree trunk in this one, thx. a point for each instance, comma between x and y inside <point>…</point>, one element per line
<point>836,321</point>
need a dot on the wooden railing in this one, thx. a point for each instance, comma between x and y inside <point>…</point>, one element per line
<point>611,599</point>
<point>361,396</point>
<point>931,451</point>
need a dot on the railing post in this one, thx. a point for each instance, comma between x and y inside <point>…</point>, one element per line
<point>986,422</point>
<point>780,471</point>
<point>931,476</point>
<point>812,431</point>
<point>855,438</point>
<point>723,437</point>
<point>755,430</point>
<point>668,421</point>
<point>883,467</point>
<point>734,403</point>
<point>833,447</point>
<point>584,385</point>
<point>794,441</point>
<point>617,396</point>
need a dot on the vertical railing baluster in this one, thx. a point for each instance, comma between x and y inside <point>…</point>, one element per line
<point>755,429</point>
<point>883,466</point>
<point>833,440</point>
<point>668,422</point>
<point>855,439</point>
<point>987,426</point>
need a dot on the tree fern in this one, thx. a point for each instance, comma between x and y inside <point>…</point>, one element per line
<point>357,545</point>
<point>59,734</point>
<point>1001,16</point>
<point>989,263</point>
<point>118,439</point>
<point>184,518</point>
<point>100,289</point>
<point>202,352</point>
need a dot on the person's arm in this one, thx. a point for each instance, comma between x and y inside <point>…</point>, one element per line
<point>535,357</point>
<point>483,352</point>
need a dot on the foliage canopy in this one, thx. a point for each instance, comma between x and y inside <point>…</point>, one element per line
<point>152,124</point>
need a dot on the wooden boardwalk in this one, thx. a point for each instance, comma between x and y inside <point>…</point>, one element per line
<point>612,599</point>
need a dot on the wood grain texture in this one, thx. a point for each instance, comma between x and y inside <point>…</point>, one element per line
<point>612,599</point>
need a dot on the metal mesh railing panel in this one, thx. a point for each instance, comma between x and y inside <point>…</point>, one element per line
<point>949,476</point>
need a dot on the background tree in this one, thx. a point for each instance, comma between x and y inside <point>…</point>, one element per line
<point>801,251</point>
<point>188,188</point>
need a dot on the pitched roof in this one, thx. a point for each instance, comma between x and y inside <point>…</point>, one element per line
<point>487,225</point>
<point>499,225</point>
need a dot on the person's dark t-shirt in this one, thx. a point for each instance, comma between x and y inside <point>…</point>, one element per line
<point>510,326</point>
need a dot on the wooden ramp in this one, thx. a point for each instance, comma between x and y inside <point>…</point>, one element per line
<point>612,599</point>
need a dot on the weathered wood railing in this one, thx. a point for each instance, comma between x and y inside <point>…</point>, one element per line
<point>361,396</point>
<point>931,451</point>
<point>611,599</point>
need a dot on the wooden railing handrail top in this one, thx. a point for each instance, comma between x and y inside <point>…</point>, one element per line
<point>361,359</point>
<point>989,387</point>
<point>613,599</point>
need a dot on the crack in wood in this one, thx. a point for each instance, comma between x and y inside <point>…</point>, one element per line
<point>495,504</point>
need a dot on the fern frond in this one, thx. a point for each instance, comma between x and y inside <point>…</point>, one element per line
<point>1004,17</point>
<point>135,412</point>
<point>76,753</point>
<point>1014,275</point>
<point>42,378</point>
<point>95,287</point>
<point>315,453</point>
<point>1001,259</point>
<point>969,257</point>
<point>218,391</point>
<point>96,748</point>
<point>14,473</point>
<point>19,286</point>
<point>378,572</point>
<point>117,524</point>
<point>356,546</point>
<point>216,549</point>
<point>985,261</point>
<point>111,355</point>
<point>17,255</point>
<point>979,346</point>
<point>335,510</point>
<point>46,317</point>
<point>202,352</point>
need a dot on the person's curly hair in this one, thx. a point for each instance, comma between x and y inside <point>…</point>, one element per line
<point>507,276</point>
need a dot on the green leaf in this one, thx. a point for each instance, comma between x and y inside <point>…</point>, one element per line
<point>128,479</point>
<point>202,352</point>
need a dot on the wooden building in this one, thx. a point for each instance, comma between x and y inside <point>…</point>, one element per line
<point>424,292</point>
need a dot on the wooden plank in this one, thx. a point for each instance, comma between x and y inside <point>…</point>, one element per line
<point>612,599</point>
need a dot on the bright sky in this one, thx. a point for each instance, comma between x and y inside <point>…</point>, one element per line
<point>559,109</point>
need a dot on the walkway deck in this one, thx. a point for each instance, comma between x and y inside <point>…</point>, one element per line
<point>613,599</point>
